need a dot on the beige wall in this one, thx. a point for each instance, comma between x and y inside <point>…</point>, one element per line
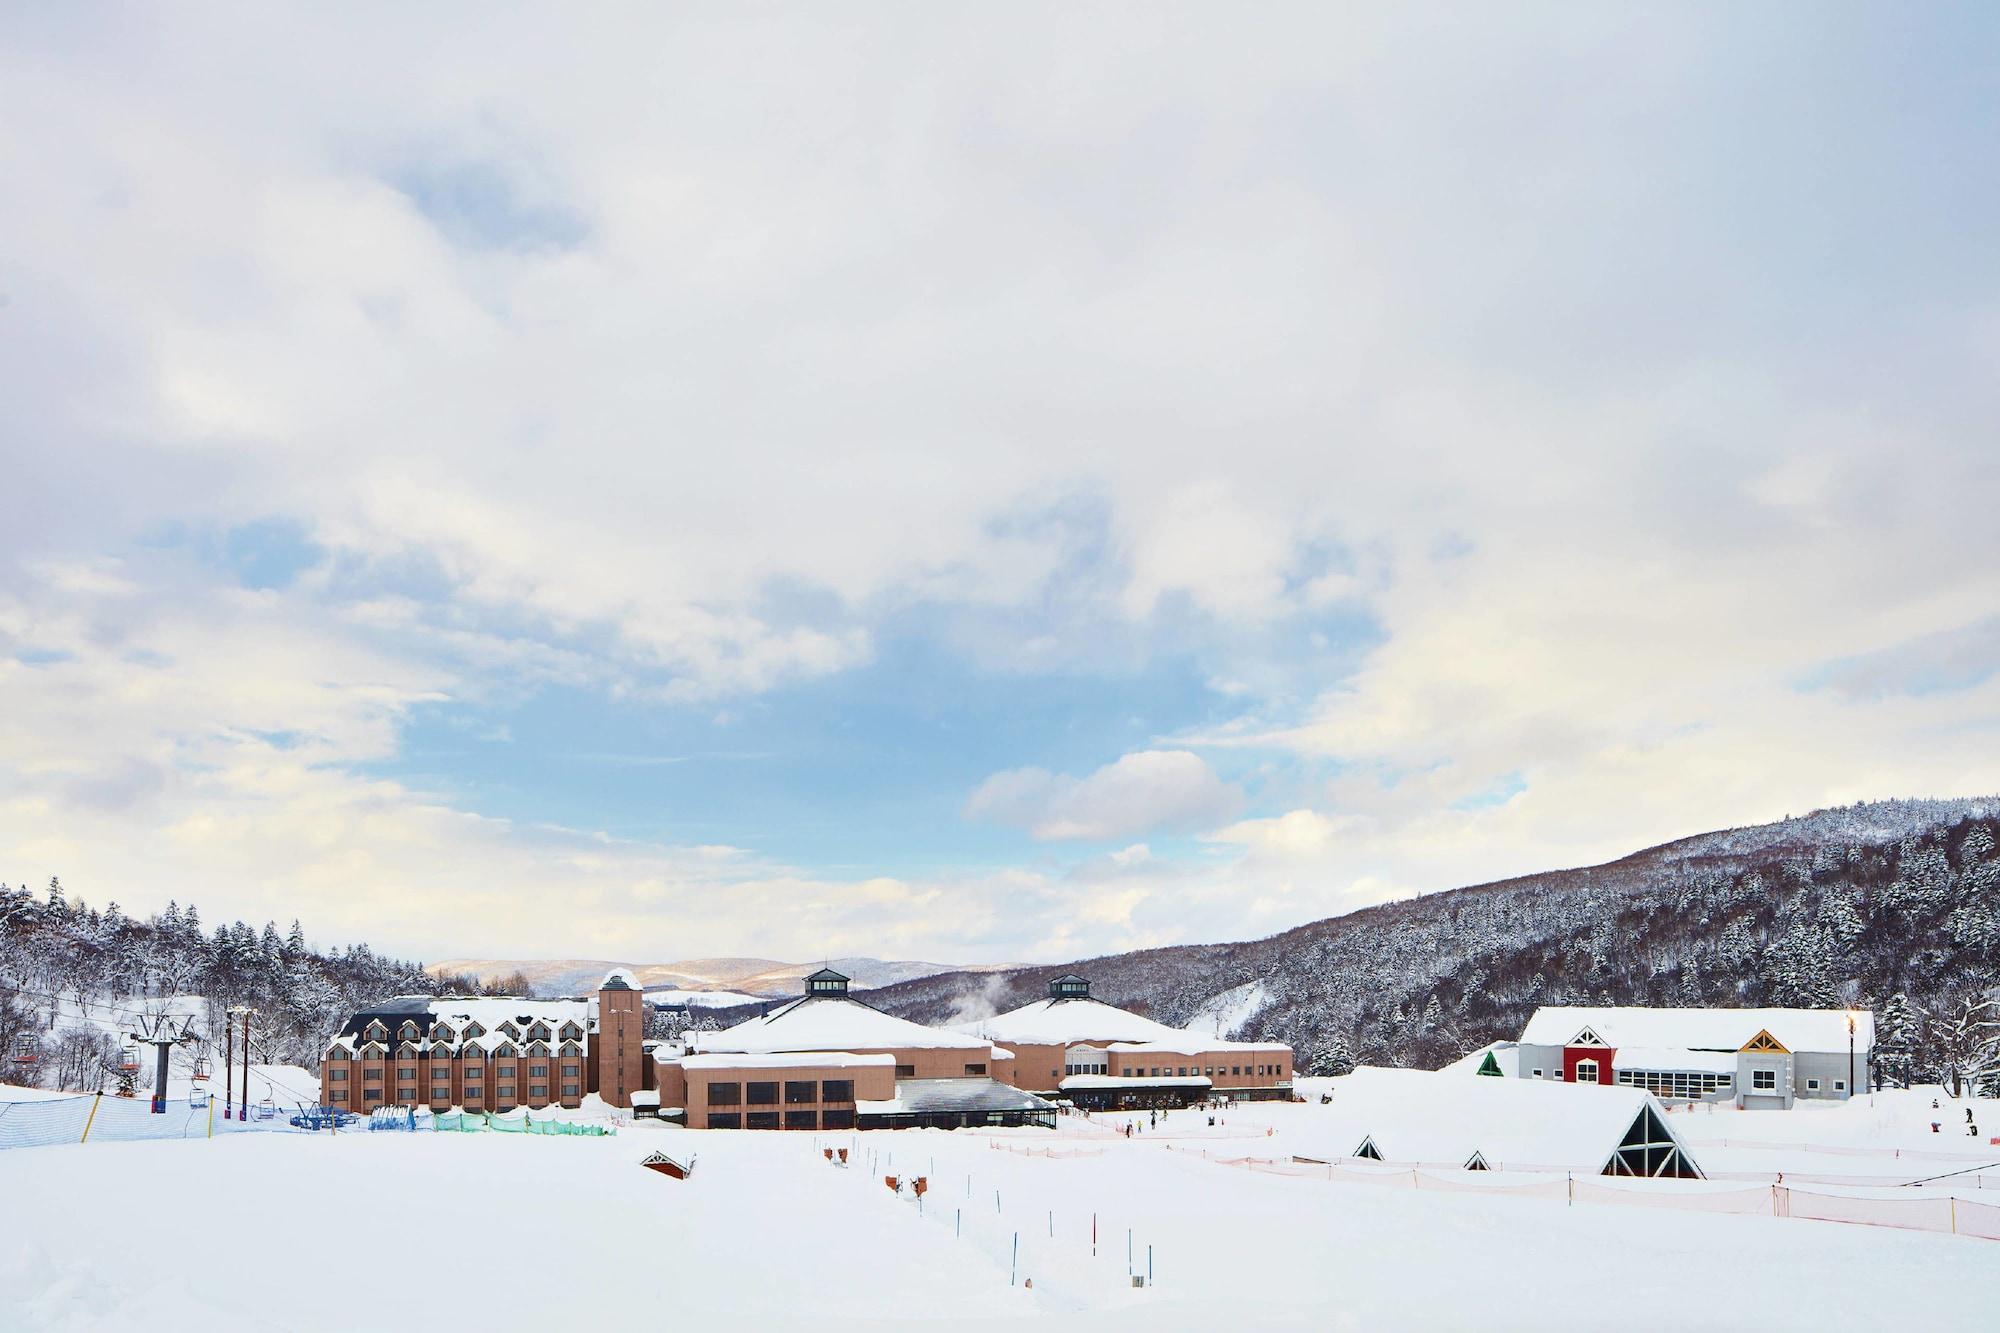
<point>872,1083</point>
<point>1224,1069</point>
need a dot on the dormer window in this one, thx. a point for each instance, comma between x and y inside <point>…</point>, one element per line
<point>571,1031</point>
<point>409,1032</point>
<point>406,1052</point>
<point>1069,987</point>
<point>474,1030</point>
<point>504,1049</point>
<point>540,1032</point>
<point>441,1033</point>
<point>376,1032</point>
<point>337,1053</point>
<point>826,981</point>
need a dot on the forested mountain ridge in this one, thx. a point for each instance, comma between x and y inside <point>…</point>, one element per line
<point>59,956</point>
<point>1862,904</point>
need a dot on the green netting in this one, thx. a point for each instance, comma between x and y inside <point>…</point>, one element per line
<point>502,1125</point>
<point>450,1121</point>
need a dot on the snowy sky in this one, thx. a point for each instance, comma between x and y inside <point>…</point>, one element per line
<point>976,482</point>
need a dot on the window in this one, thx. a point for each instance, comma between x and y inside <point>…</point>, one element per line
<point>836,1120</point>
<point>729,1120</point>
<point>506,1091</point>
<point>837,1090</point>
<point>1234,1069</point>
<point>372,1076</point>
<point>1812,1085</point>
<point>538,1091</point>
<point>801,1090</point>
<point>572,1090</point>
<point>1586,1071</point>
<point>725,1094</point>
<point>975,1069</point>
<point>340,1094</point>
<point>802,1120</point>
<point>1763,1080</point>
<point>569,1071</point>
<point>538,1071</point>
<point>1840,1085</point>
<point>762,1094</point>
<point>761,1120</point>
<point>906,1071</point>
<point>337,1075</point>
<point>473,1073</point>
<point>1538,1073</point>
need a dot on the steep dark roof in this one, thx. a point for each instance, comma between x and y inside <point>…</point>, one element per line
<point>391,1017</point>
<point>828,974</point>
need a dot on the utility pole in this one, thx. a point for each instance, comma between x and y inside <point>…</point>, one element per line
<point>229,1063</point>
<point>244,1113</point>
<point>1850,1052</point>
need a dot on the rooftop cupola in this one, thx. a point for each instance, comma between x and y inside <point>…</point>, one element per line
<point>1069,986</point>
<point>826,981</point>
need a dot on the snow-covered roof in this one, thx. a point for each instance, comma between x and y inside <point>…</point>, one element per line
<point>1193,1043</point>
<point>618,978</point>
<point>1063,1022</point>
<point>1074,1082</point>
<point>645,1097</point>
<point>1671,1059</point>
<point>1700,1029</point>
<point>1413,1115</point>
<point>952,1095</point>
<point>787,1060</point>
<point>831,1023</point>
<point>1505,1054</point>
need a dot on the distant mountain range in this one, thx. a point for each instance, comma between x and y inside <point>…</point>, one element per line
<point>728,980</point>
<point>1894,905</point>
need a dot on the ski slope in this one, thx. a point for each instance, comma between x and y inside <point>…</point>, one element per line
<point>767,1230</point>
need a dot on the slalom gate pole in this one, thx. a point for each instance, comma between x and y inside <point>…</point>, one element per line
<point>1014,1270</point>
<point>211,1117</point>
<point>1093,1235</point>
<point>87,1120</point>
<point>1149,1265</point>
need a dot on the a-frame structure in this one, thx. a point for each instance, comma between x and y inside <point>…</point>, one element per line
<point>1649,1148</point>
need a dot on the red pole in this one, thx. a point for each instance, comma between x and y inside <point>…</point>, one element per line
<point>228,1067</point>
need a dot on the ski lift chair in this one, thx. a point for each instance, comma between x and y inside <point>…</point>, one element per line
<point>201,1069</point>
<point>128,1059</point>
<point>267,1109</point>
<point>27,1049</point>
<point>198,1098</point>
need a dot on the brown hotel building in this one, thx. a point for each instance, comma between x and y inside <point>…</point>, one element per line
<point>490,1054</point>
<point>824,1061</point>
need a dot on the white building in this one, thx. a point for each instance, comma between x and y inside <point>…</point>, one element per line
<point>1756,1058</point>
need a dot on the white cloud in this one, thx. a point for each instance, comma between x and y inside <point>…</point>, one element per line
<point>1170,790</point>
<point>776,327</point>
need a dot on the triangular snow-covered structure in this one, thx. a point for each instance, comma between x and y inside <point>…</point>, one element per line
<point>1417,1117</point>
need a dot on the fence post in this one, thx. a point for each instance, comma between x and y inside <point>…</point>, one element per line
<point>1954,1214</point>
<point>89,1119</point>
<point>1571,1177</point>
<point>211,1117</point>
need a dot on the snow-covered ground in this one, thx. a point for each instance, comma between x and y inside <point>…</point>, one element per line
<point>766,1229</point>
